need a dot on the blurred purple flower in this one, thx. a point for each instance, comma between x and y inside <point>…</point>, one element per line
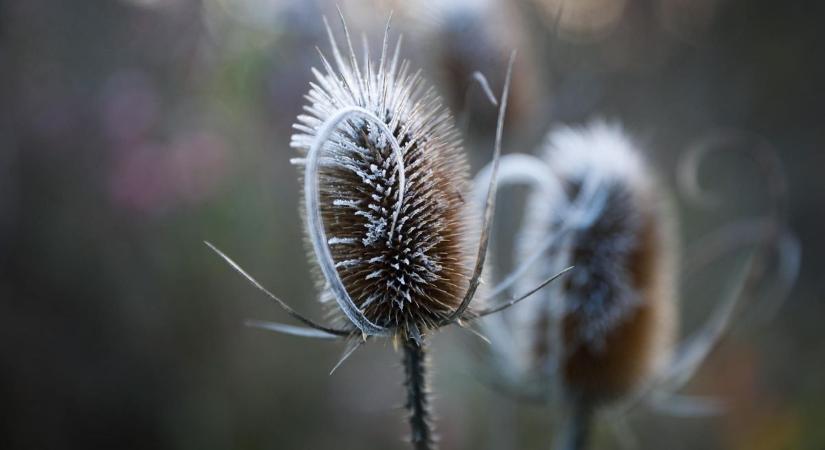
<point>138,181</point>
<point>196,163</point>
<point>156,178</point>
<point>129,106</point>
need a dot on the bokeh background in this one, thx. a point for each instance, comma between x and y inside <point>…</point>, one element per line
<point>132,130</point>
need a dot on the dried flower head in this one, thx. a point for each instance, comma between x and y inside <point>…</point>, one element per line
<point>384,175</point>
<point>389,195</point>
<point>608,327</point>
<point>619,305</point>
<point>596,207</point>
<point>607,332</point>
<point>463,36</point>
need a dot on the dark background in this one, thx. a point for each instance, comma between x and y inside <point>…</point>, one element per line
<point>131,131</point>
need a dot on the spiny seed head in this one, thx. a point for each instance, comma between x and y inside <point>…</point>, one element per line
<point>462,37</point>
<point>608,325</point>
<point>607,249</point>
<point>396,231</point>
<point>618,303</point>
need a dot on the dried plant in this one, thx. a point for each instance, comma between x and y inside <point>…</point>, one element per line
<point>605,337</point>
<point>384,179</point>
<point>459,37</point>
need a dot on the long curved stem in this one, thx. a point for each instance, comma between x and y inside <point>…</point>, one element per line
<point>417,404</point>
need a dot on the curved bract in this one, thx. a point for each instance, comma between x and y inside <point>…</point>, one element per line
<point>315,227</point>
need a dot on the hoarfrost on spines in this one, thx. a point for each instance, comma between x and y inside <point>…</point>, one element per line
<point>390,196</point>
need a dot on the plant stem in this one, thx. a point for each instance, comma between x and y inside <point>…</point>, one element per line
<point>417,395</point>
<point>576,432</point>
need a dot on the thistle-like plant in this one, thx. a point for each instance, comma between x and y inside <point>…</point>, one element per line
<point>606,336</point>
<point>384,186</point>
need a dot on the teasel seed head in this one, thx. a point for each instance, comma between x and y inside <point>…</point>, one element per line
<point>594,205</point>
<point>619,304</point>
<point>459,39</point>
<point>384,211</point>
<point>606,334</point>
<point>384,173</point>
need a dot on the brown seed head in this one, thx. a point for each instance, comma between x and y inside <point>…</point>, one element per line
<point>618,304</point>
<point>395,229</point>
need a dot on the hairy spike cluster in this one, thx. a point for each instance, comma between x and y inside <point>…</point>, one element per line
<point>395,229</point>
<point>606,330</point>
<point>618,305</point>
<point>605,335</point>
<point>383,182</point>
<point>622,249</point>
<point>594,206</point>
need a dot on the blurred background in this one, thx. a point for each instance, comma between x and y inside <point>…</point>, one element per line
<point>133,130</point>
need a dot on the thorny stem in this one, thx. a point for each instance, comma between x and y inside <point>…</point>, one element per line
<point>417,404</point>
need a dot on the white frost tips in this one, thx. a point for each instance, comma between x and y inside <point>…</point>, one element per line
<point>341,241</point>
<point>345,202</point>
<point>348,263</point>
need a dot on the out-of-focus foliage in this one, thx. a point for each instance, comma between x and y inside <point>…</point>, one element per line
<point>132,130</point>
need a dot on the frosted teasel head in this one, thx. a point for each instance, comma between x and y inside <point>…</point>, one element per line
<point>594,206</point>
<point>384,184</point>
<point>607,328</point>
<point>383,180</point>
<point>624,242</point>
<point>384,173</point>
<point>605,336</point>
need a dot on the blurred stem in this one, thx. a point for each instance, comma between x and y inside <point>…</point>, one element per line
<point>417,395</point>
<point>576,432</point>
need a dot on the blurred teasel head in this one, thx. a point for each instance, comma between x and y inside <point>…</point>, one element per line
<point>617,312</point>
<point>384,173</point>
<point>608,328</point>
<point>460,38</point>
<point>605,336</point>
<point>384,176</point>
